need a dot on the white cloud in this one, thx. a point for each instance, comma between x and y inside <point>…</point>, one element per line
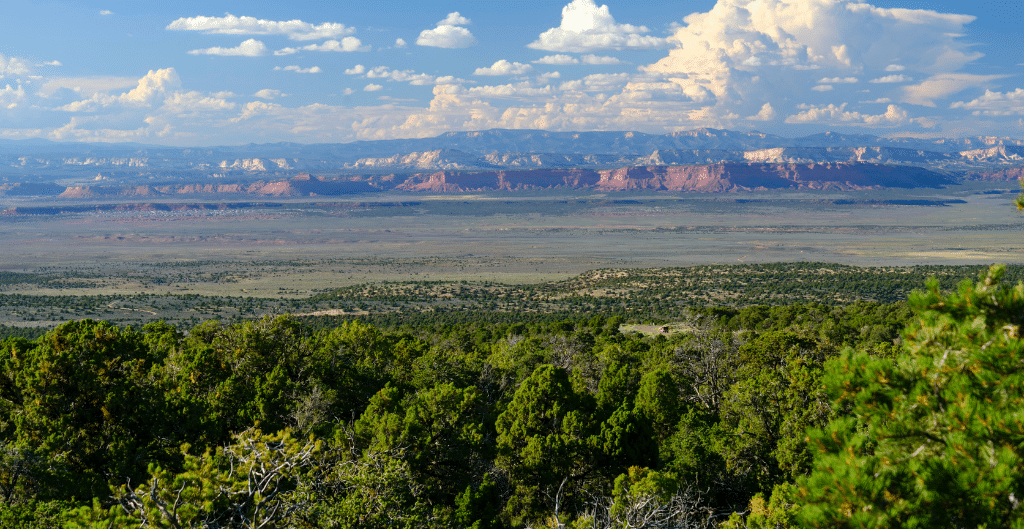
<point>742,52</point>
<point>893,115</point>
<point>897,78</point>
<point>297,69</point>
<point>372,87</point>
<point>356,70</point>
<point>85,86</point>
<point>767,113</point>
<point>248,48</point>
<point>185,103</point>
<point>232,25</point>
<point>454,19</point>
<point>521,90</point>
<point>10,97</point>
<point>349,91</point>
<point>400,43</point>
<point>599,82</point>
<point>269,93</point>
<point>597,59</point>
<point>12,66</point>
<point>105,12</point>
<point>402,76</point>
<point>156,84</point>
<point>995,104</point>
<point>879,100</point>
<point>942,85</point>
<point>587,27</point>
<point>152,86</point>
<point>345,44</point>
<point>559,60</point>
<point>449,33</point>
<point>504,67</point>
<point>51,63</point>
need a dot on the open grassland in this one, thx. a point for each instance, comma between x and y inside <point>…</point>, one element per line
<point>550,251</point>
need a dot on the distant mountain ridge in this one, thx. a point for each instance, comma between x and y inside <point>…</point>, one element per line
<point>89,165</point>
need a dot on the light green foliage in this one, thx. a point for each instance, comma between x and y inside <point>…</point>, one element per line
<point>1020,199</point>
<point>933,439</point>
<point>247,484</point>
<point>87,402</point>
<point>779,512</point>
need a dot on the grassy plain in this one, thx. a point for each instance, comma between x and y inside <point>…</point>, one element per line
<point>280,253</point>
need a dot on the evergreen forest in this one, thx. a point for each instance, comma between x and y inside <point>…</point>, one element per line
<point>863,414</point>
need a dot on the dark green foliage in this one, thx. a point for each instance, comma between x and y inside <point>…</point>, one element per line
<point>543,440</point>
<point>505,422</point>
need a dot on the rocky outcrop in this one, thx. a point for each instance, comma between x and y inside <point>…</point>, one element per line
<point>1005,175</point>
<point>714,178</point>
<point>461,182</point>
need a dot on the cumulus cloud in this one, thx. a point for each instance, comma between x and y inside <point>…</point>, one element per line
<point>345,44</point>
<point>831,113</point>
<point>995,104</point>
<point>51,63</point>
<point>731,56</point>
<point>105,12</point>
<point>298,69</point>
<point>232,25</point>
<point>372,87</point>
<point>454,19</point>
<point>269,93</point>
<point>449,33</point>
<point>558,60</point>
<point>10,97</point>
<point>356,70</point>
<point>400,43</point>
<point>192,102</point>
<point>402,76</point>
<point>598,59</point>
<point>942,85</point>
<point>599,82</point>
<point>587,27</point>
<point>504,67</point>
<point>248,48</point>
<point>155,85</point>
<point>12,66</point>
<point>767,113</point>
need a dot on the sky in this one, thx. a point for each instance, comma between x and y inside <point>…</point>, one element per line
<point>229,73</point>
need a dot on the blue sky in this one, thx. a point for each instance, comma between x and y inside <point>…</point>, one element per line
<point>220,73</point>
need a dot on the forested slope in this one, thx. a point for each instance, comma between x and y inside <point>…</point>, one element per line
<point>478,424</point>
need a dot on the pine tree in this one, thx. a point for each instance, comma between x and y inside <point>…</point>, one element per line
<point>936,437</point>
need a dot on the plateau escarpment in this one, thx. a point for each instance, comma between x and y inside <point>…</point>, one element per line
<point>712,178</point>
<point>715,178</point>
